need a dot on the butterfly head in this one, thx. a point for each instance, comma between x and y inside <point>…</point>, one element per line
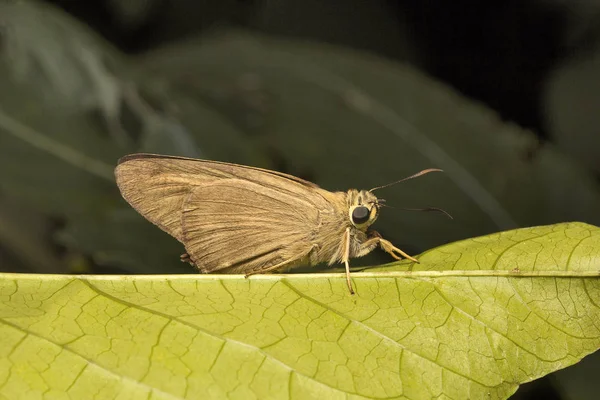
<point>363,208</point>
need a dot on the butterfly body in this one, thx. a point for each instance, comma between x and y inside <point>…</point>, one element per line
<point>239,219</point>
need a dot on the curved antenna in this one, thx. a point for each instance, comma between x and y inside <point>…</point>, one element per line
<point>447,214</point>
<point>425,171</point>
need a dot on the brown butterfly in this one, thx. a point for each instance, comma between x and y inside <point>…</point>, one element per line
<point>239,219</point>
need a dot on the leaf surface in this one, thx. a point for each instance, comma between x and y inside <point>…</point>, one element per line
<point>473,320</point>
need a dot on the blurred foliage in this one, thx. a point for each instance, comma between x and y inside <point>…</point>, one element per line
<point>71,104</point>
<point>573,99</point>
<point>69,110</point>
<point>349,120</point>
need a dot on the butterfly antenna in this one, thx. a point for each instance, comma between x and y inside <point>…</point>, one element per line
<point>425,171</point>
<point>429,209</point>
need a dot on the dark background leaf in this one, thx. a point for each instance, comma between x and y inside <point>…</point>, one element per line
<point>372,124</point>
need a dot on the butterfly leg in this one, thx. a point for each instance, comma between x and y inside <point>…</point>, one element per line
<point>346,258</point>
<point>365,248</point>
<point>374,240</point>
<point>185,257</point>
<point>389,248</point>
<point>287,263</point>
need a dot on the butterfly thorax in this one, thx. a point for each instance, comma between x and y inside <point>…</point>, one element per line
<point>354,210</point>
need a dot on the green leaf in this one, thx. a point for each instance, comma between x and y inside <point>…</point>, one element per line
<point>473,320</point>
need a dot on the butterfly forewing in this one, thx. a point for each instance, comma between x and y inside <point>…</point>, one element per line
<point>157,186</point>
<point>238,226</point>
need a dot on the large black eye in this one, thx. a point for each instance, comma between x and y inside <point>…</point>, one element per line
<point>360,215</point>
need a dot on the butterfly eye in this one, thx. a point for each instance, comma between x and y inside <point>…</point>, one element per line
<point>360,215</point>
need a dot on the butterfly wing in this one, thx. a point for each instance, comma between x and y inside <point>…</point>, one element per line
<point>237,225</point>
<point>157,186</point>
